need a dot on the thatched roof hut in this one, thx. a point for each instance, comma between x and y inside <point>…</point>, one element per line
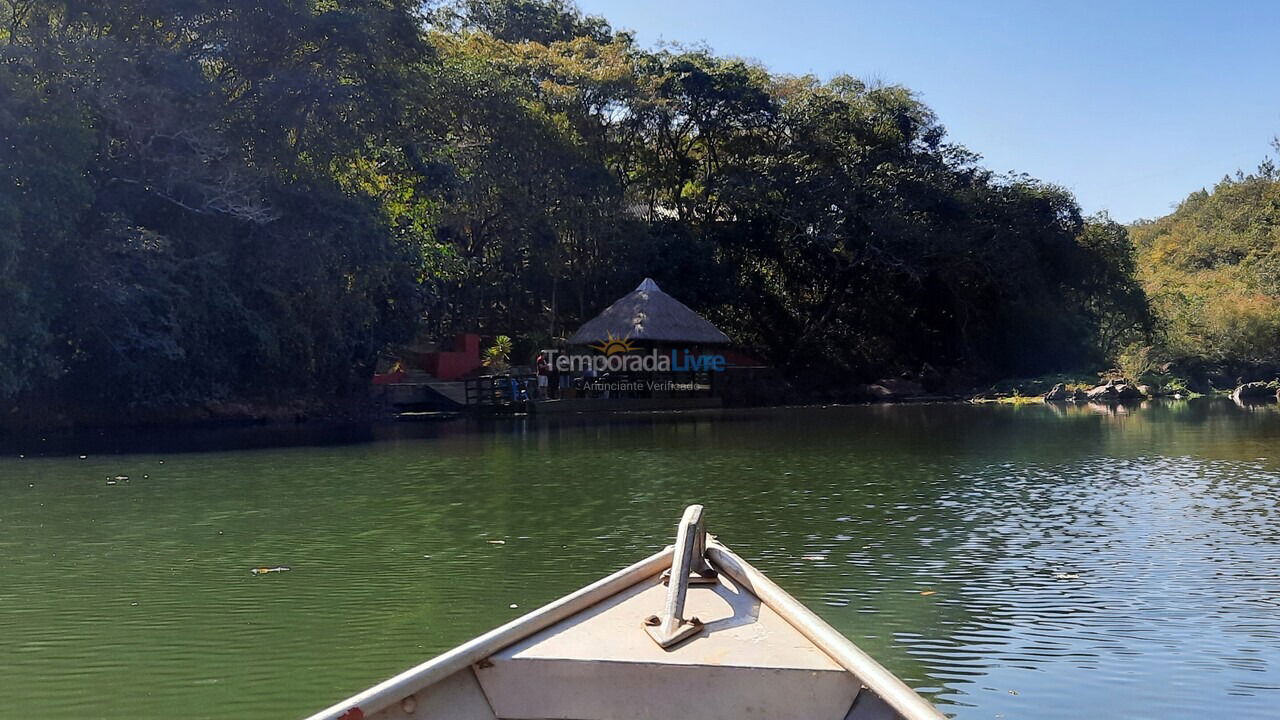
<point>648,314</point>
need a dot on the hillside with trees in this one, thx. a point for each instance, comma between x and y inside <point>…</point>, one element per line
<point>1212,272</point>
<point>246,200</point>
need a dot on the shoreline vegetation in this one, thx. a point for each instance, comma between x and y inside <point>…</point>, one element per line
<point>226,211</point>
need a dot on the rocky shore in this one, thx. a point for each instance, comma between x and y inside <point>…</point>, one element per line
<point>1064,390</point>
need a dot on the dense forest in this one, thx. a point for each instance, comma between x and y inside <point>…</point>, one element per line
<point>236,200</point>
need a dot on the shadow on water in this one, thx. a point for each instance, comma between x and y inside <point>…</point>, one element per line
<point>933,422</point>
<point>254,436</point>
<point>1018,561</point>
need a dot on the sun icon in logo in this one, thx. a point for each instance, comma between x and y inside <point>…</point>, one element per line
<point>613,345</point>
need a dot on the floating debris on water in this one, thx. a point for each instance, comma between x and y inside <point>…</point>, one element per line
<point>268,570</point>
<point>497,542</point>
<point>813,557</point>
<point>514,606</point>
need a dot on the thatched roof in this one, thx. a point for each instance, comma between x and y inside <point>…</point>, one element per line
<point>647,313</point>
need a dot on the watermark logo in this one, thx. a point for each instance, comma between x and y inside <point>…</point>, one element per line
<point>614,354</point>
<point>613,346</point>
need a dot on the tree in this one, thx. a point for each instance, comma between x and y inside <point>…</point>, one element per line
<point>183,224</point>
<point>211,200</point>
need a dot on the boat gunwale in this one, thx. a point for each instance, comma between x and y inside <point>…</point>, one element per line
<point>390,691</point>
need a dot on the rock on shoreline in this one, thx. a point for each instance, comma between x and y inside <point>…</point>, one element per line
<point>1060,393</point>
<point>1112,391</point>
<point>1259,391</point>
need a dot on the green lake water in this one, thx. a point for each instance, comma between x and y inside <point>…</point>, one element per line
<point>1009,562</point>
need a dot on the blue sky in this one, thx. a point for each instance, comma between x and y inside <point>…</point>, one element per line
<point>1131,105</point>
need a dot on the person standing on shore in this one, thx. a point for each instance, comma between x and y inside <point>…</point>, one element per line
<point>543,368</point>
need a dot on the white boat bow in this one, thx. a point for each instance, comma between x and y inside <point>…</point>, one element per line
<point>692,632</point>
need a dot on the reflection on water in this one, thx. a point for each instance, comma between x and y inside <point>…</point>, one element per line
<point>1012,562</point>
